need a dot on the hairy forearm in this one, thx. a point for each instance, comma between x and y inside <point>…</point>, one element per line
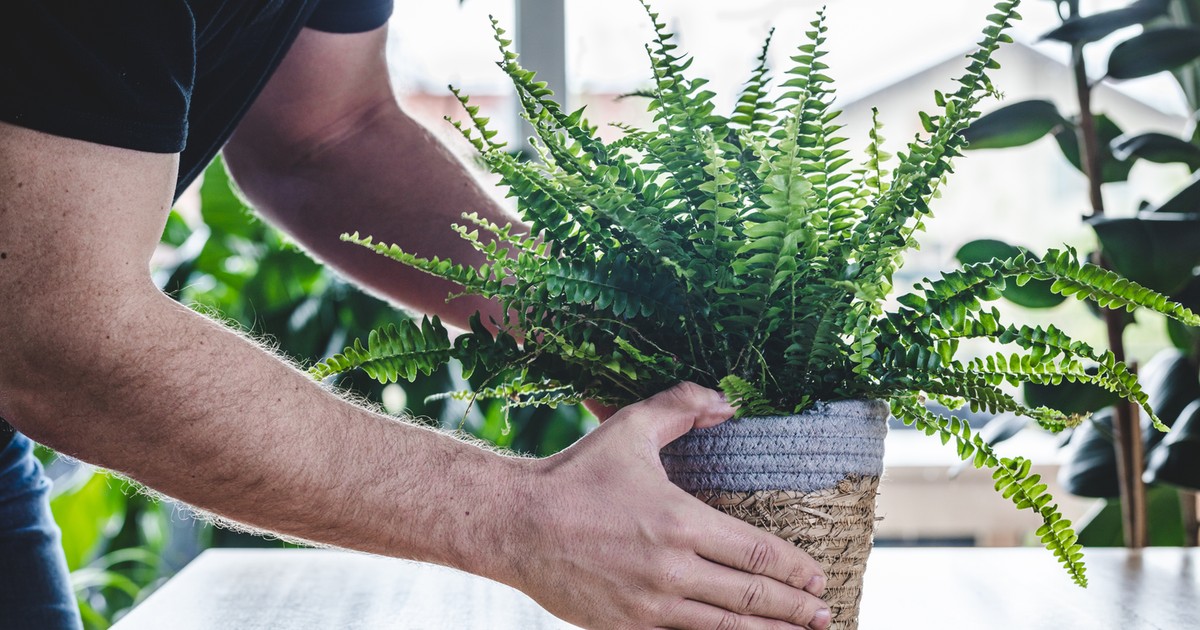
<point>178,402</point>
<point>384,175</point>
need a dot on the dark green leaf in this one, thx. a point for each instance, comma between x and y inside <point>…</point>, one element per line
<point>1171,382</point>
<point>1155,50</point>
<point>222,209</point>
<point>1089,463</point>
<point>1081,30</point>
<point>1035,293</point>
<point>1013,125</point>
<point>1176,461</point>
<point>1187,12</point>
<point>1186,338</point>
<point>1186,201</point>
<point>176,231</point>
<point>1158,251</point>
<point>1182,336</point>
<point>1113,170</point>
<point>1157,147</point>
<point>90,514</point>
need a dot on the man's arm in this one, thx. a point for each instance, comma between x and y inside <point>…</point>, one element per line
<point>98,364</point>
<point>327,150</point>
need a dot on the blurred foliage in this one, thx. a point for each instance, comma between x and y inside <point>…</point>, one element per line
<point>113,538</point>
<point>1159,247</point>
<point>224,262</point>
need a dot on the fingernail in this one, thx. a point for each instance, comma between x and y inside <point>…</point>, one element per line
<point>821,619</point>
<point>816,585</point>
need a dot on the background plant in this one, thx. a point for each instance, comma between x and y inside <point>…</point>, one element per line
<point>746,252</point>
<point>1158,247</point>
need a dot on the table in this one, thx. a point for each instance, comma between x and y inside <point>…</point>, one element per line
<point>967,588</point>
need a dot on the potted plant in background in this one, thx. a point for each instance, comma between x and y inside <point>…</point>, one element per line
<point>1158,247</point>
<point>746,253</point>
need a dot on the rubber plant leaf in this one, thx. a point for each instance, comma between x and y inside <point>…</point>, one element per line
<point>1112,169</point>
<point>1186,201</point>
<point>1157,147</point>
<point>1081,30</point>
<point>1089,466</point>
<point>1176,461</point>
<point>1184,337</point>
<point>1169,380</point>
<point>1014,125</point>
<point>1155,50</point>
<point>1155,250</point>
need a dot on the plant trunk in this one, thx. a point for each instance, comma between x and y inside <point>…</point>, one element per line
<point>809,479</point>
<point>1126,426</point>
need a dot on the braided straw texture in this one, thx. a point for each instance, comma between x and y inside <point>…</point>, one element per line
<point>808,478</point>
<point>834,526</point>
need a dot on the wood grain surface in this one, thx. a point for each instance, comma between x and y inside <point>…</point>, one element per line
<point>959,588</point>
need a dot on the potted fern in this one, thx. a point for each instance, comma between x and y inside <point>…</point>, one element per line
<point>746,253</point>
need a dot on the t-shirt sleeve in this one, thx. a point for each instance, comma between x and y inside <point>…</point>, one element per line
<point>350,16</point>
<point>118,73</point>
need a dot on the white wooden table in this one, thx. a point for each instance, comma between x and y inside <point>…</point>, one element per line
<point>960,588</point>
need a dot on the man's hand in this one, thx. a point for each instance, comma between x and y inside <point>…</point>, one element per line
<point>609,542</point>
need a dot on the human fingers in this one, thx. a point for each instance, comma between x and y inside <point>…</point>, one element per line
<point>756,595</point>
<point>669,414</point>
<point>693,615</point>
<point>741,546</point>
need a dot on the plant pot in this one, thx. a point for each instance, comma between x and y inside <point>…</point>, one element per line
<point>808,478</point>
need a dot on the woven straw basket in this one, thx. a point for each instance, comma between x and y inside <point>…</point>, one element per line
<point>808,478</point>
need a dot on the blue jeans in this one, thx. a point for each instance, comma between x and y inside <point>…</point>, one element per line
<point>35,590</point>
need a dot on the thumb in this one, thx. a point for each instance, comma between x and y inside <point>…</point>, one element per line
<point>669,414</point>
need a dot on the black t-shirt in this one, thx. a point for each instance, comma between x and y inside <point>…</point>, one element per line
<point>164,76</point>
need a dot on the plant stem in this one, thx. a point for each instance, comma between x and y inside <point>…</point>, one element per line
<point>1089,142</point>
<point>1127,435</point>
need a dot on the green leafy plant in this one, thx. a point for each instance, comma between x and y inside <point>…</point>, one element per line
<point>748,253</point>
<point>1157,247</point>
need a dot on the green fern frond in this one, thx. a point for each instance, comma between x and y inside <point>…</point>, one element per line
<point>1105,288</point>
<point>469,278</point>
<point>753,109</point>
<point>396,351</point>
<point>516,394</point>
<point>484,141</point>
<point>609,285</point>
<point>1012,476</point>
<point>746,397</point>
<point>899,211</point>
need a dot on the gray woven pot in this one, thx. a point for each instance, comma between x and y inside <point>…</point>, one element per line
<point>806,452</point>
<point>809,479</point>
